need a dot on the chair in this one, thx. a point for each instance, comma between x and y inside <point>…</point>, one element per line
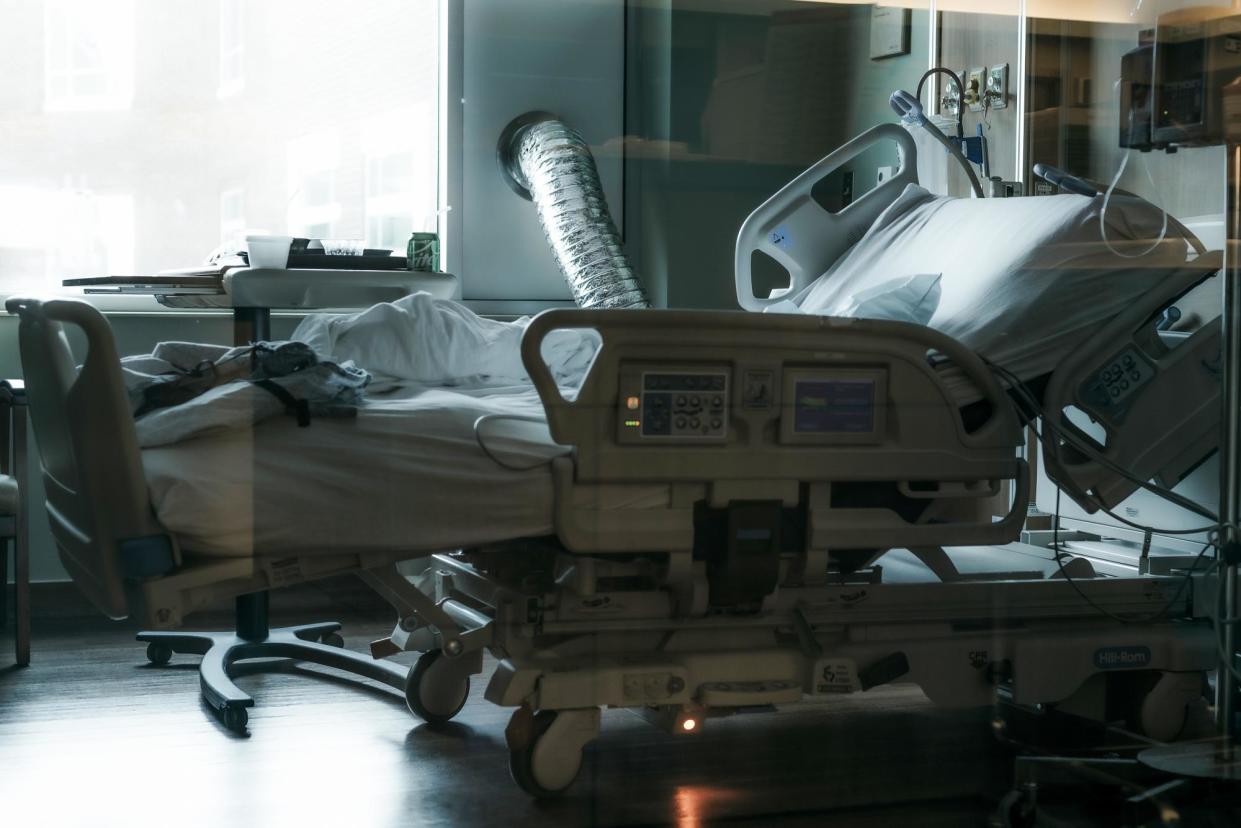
<point>13,529</point>
<point>116,551</point>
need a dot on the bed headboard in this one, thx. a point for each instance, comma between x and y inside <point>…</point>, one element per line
<point>97,502</point>
<point>806,239</point>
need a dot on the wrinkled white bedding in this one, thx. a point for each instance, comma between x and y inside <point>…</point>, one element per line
<point>1022,281</point>
<point>406,475</point>
<point>417,340</point>
<point>432,341</point>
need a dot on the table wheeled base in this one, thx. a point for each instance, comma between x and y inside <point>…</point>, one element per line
<point>252,639</point>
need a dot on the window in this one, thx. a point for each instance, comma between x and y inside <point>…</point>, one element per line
<point>313,161</point>
<point>400,191</point>
<point>232,67</point>
<point>232,215</point>
<point>88,52</point>
<point>139,134</point>
<point>47,232</point>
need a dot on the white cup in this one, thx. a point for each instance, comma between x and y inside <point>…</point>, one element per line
<point>269,251</point>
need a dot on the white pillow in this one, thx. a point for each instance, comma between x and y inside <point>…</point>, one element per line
<point>911,299</point>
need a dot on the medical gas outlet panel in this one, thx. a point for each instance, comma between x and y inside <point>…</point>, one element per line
<point>807,405</point>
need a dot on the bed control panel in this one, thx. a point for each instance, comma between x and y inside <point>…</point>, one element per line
<point>680,404</point>
<point>1117,380</point>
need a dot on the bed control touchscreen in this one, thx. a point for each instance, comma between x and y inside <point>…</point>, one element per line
<point>675,404</point>
<point>833,405</point>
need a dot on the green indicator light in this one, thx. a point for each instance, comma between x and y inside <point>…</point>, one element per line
<point>633,423</point>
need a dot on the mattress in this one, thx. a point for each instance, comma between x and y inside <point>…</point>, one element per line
<point>406,474</point>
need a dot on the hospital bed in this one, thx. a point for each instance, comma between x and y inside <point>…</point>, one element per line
<point>761,580</point>
<point>711,534</point>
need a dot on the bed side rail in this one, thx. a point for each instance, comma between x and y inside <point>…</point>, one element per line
<point>806,239</point>
<point>1156,407</point>
<point>97,502</point>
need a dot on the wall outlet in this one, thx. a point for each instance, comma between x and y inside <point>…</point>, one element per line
<point>950,100</point>
<point>999,188</point>
<point>975,82</point>
<point>996,91</point>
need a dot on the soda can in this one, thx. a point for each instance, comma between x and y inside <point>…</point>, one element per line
<point>423,252</point>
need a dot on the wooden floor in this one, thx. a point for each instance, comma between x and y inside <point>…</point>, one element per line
<point>91,735</point>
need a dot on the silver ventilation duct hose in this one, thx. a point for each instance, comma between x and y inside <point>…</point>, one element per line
<point>545,161</point>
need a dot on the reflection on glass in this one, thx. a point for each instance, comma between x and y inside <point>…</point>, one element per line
<point>161,129</point>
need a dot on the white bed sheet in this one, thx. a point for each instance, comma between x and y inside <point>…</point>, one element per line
<point>1023,281</point>
<point>406,474</point>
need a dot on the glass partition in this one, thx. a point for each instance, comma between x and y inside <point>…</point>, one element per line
<point>823,412</point>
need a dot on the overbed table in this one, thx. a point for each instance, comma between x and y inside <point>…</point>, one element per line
<point>253,293</point>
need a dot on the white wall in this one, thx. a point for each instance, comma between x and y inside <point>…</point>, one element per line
<point>561,56</point>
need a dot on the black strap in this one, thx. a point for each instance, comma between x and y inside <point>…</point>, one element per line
<point>298,408</point>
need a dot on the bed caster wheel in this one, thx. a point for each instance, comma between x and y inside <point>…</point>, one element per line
<point>332,639</point>
<point>159,654</point>
<point>434,690</point>
<point>235,719</point>
<point>521,762</point>
<point>545,748</point>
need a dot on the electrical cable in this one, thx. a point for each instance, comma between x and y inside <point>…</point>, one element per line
<point>960,93</point>
<point>1027,397</point>
<point>1186,579</point>
<point>482,443</point>
<point>1111,190</point>
<point>1036,410</point>
<point>910,109</point>
<point>955,151</point>
<point>1092,189</point>
<point>1219,622</point>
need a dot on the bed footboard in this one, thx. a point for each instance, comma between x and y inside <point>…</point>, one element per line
<point>752,421</point>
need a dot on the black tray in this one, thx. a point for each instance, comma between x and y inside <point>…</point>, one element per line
<point>322,261</point>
